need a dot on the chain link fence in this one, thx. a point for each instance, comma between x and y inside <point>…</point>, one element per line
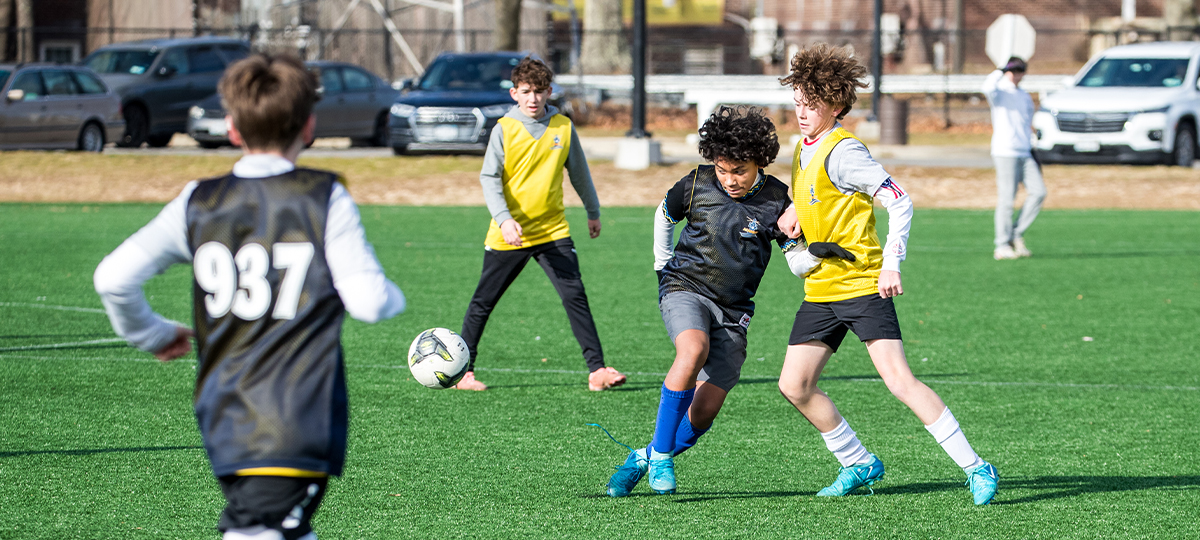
<point>671,50</point>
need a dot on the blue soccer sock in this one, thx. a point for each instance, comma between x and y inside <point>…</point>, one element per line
<point>671,408</point>
<point>686,435</point>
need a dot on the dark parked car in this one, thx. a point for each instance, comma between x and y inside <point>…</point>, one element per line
<point>159,79</point>
<point>456,103</point>
<point>354,103</point>
<point>53,106</point>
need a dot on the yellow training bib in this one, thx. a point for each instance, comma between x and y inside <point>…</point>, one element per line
<point>533,179</point>
<point>828,215</point>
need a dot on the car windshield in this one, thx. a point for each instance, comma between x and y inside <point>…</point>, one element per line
<point>469,74</point>
<point>1143,72</point>
<point>134,62</point>
<point>3,77</point>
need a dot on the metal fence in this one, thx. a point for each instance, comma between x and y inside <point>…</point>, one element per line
<point>677,50</point>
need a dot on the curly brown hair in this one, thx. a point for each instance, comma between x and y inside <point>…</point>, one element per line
<point>827,74</point>
<point>739,134</point>
<point>533,72</point>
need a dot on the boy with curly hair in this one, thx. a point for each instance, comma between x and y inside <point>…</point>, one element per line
<point>279,256</point>
<point>835,182</point>
<point>707,283</point>
<point>522,179</point>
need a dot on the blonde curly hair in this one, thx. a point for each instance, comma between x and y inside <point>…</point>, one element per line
<point>827,74</point>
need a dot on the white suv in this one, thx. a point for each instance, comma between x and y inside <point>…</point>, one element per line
<point>1130,104</point>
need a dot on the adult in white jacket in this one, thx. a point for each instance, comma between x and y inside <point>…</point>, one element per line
<point>1012,117</point>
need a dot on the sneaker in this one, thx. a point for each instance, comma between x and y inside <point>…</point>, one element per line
<point>469,382</point>
<point>662,476</point>
<point>854,477</point>
<point>605,378</point>
<point>1004,253</point>
<point>983,480</point>
<point>1020,249</point>
<point>628,474</point>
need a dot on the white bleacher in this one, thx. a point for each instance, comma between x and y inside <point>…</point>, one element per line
<point>706,92</point>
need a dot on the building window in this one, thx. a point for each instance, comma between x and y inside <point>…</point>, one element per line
<point>59,52</point>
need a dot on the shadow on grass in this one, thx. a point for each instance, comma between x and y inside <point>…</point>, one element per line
<point>1120,254</point>
<point>73,335</point>
<point>92,451</point>
<point>1044,488</point>
<point>1055,487</point>
<point>709,496</point>
<point>1058,487</point>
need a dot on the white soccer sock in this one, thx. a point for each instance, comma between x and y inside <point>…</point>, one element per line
<point>257,532</point>
<point>947,433</point>
<point>846,447</point>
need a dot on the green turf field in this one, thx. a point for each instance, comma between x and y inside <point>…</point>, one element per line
<point>1093,438</point>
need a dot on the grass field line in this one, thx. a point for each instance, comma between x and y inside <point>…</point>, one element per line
<point>49,306</point>
<point>635,373</point>
<point>66,345</point>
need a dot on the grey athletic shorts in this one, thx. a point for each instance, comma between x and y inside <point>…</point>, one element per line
<point>683,310</point>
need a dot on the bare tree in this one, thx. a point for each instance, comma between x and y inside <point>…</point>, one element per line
<point>25,35</point>
<point>5,15</point>
<point>508,25</point>
<point>604,47</point>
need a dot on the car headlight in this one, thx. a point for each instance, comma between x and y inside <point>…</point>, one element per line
<point>402,109</point>
<point>496,111</point>
<point>1162,109</point>
<point>196,112</point>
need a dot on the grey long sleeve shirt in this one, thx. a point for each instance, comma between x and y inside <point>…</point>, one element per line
<point>492,174</point>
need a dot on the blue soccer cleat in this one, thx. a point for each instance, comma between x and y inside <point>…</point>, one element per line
<point>628,474</point>
<point>854,477</point>
<point>662,476</point>
<point>983,480</point>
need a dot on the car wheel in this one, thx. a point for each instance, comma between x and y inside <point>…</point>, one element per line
<point>1185,146</point>
<point>159,140</point>
<point>382,136</point>
<point>137,127</point>
<point>400,150</point>
<point>209,145</point>
<point>91,138</point>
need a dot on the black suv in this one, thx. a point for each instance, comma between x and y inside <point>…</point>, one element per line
<point>456,103</point>
<point>159,79</point>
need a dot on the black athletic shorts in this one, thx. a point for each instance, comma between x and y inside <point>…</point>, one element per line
<point>869,317</point>
<point>282,503</point>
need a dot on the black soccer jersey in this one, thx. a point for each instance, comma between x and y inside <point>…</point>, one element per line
<point>270,388</point>
<point>723,251</point>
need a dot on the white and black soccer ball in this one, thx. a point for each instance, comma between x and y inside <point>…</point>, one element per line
<point>438,358</point>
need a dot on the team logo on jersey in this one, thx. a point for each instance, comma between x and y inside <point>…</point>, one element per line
<point>812,195</point>
<point>751,228</point>
<point>557,143</point>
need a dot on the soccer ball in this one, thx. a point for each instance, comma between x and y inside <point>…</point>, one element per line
<point>438,358</point>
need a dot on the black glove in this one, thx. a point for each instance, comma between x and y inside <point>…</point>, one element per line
<point>824,250</point>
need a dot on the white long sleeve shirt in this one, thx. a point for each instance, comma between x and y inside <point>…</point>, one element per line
<point>357,275</point>
<point>1012,116</point>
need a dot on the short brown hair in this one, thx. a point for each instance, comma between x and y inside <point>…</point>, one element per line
<point>827,74</point>
<point>270,97</point>
<point>533,72</point>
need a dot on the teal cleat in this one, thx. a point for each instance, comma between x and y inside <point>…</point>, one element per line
<point>983,480</point>
<point>662,476</point>
<point>628,474</point>
<point>854,477</point>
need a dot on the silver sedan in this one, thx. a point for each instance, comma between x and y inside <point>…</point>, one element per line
<point>54,106</point>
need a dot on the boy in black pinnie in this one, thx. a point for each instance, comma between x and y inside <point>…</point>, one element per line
<point>707,283</point>
<point>279,257</point>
